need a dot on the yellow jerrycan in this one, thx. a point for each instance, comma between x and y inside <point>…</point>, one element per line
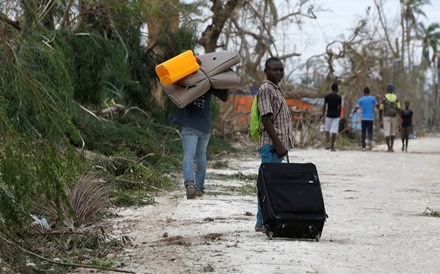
<point>177,68</point>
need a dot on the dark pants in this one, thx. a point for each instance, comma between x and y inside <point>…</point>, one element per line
<point>366,126</point>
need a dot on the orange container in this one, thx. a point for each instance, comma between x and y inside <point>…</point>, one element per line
<point>177,68</point>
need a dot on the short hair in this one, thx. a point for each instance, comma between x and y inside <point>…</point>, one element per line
<point>391,88</point>
<point>271,60</point>
<point>366,90</point>
<point>334,87</point>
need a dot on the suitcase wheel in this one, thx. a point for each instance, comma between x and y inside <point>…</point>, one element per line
<point>317,237</point>
<point>269,234</point>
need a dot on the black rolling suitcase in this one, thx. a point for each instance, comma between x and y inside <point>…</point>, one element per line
<point>291,200</point>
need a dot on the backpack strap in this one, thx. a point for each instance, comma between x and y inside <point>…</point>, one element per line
<point>281,106</point>
<point>278,112</point>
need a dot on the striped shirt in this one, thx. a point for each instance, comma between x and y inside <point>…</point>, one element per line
<point>271,100</point>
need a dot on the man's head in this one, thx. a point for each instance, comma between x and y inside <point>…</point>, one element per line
<point>391,88</point>
<point>366,91</point>
<point>334,87</point>
<point>274,70</point>
<point>406,104</point>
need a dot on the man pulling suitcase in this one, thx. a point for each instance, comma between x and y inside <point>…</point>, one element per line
<point>276,128</point>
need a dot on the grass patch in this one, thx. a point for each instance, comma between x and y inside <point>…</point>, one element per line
<point>132,181</point>
<point>218,146</point>
<point>245,190</point>
<point>220,165</point>
<point>131,198</point>
<point>236,176</point>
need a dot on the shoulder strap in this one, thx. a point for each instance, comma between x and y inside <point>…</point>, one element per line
<point>279,110</point>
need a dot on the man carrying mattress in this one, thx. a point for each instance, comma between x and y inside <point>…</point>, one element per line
<point>195,120</point>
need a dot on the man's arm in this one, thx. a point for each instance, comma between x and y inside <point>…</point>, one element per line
<point>222,94</point>
<point>270,129</point>
<point>355,109</point>
<point>380,110</point>
<point>340,107</point>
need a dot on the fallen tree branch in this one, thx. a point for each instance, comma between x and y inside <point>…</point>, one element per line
<point>15,24</point>
<point>60,263</point>
<point>148,116</point>
<point>90,112</point>
<point>430,212</point>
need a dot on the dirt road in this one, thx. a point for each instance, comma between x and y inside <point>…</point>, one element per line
<point>375,202</point>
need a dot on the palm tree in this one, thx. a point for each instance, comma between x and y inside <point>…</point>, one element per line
<point>430,37</point>
<point>411,11</point>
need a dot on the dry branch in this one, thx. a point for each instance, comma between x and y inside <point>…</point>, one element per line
<point>3,239</point>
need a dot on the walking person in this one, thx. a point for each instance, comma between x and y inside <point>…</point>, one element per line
<point>389,110</point>
<point>276,132</point>
<point>332,112</point>
<point>195,120</point>
<point>406,125</point>
<point>366,103</point>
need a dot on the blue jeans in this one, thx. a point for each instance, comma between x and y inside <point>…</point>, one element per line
<point>366,127</point>
<point>268,154</point>
<point>194,148</point>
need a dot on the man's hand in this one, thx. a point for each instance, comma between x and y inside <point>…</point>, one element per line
<point>281,150</point>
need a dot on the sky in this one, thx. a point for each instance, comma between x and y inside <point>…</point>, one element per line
<point>339,16</point>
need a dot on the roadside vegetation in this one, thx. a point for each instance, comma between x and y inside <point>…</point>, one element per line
<point>85,126</point>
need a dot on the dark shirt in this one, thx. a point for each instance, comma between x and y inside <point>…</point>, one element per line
<point>406,117</point>
<point>197,114</point>
<point>333,102</point>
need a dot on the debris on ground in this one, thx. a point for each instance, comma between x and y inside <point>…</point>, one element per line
<point>431,213</point>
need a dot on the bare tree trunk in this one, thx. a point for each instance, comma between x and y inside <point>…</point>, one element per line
<point>212,32</point>
<point>404,32</point>
<point>66,21</point>
<point>14,24</point>
<point>155,20</point>
<point>81,19</point>
<point>436,99</point>
<point>383,23</point>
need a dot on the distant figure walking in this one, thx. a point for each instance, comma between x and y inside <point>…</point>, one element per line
<point>406,124</point>
<point>389,109</point>
<point>367,103</point>
<point>332,104</point>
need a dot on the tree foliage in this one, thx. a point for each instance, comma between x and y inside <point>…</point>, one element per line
<point>61,62</point>
<point>36,158</point>
<point>58,61</point>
